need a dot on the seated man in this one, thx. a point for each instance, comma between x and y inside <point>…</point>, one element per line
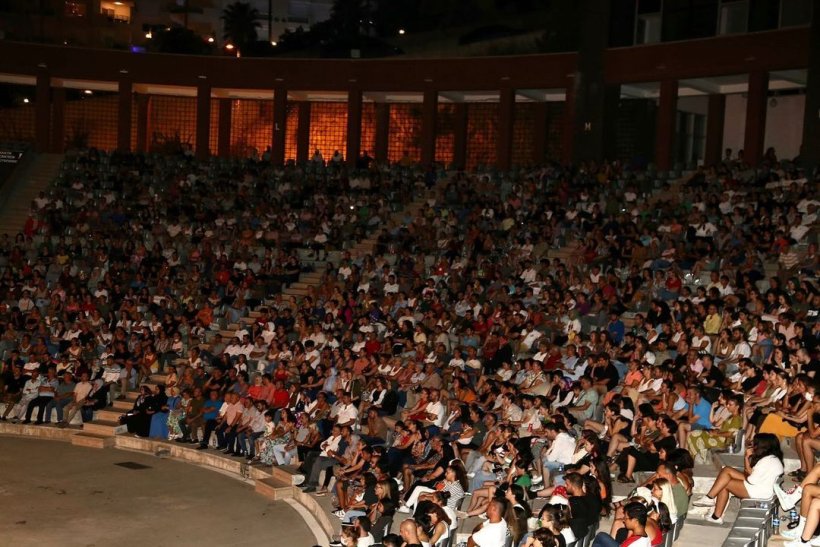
<point>45,394</point>
<point>494,531</point>
<point>635,515</point>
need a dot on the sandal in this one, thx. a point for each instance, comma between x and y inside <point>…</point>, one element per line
<point>321,493</point>
<point>623,479</point>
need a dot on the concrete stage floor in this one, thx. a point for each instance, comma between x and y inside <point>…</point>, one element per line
<point>53,493</point>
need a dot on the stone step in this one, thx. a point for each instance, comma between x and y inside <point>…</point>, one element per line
<point>104,427</point>
<point>37,431</point>
<point>254,314</point>
<point>132,396</point>
<point>107,415</point>
<point>285,474</point>
<point>273,489</point>
<point>122,406</point>
<point>296,292</point>
<point>91,440</point>
<point>234,326</point>
<point>227,334</point>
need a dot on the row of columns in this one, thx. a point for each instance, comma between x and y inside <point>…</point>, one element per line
<point>50,107</point>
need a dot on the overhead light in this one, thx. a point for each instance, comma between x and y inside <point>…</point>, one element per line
<point>25,100</point>
<point>88,92</point>
<point>401,31</point>
<point>228,46</point>
<point>117,3</point>
<point>210,39</point>
<point>149,35</point>
<point>273,43</point>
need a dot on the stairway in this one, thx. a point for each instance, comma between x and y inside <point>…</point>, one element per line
<point>361,248</point>
<point>26,184</point>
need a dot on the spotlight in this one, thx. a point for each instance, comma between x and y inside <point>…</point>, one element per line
<point>149,35</point>
<point>25,100</point>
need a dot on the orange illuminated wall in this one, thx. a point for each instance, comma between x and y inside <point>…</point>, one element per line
<point>17,124</point>
<point>523,134</point>
<point>91,122</point>
<point>171,121</point>
<point>405,132</point>
<point>213,137</point>
<point>482,133</point>
<point>251,126</point>
<point>328,128</point>
<point>445,128</point>
<point>368,140</point>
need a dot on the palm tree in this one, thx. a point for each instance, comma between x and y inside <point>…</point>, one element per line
<point>239,22</point>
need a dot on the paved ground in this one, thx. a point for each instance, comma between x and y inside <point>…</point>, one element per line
<point>53,493</point>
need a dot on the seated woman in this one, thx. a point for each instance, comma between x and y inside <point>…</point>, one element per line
<point>516,476</point>
<point>455,483</point>
<point>793,417</point>
<point>808,442</point>
<point>701,441</point>
<point>138,419</point>
<point>159,420</point>
<point>763,468</point>
<point>646,458</point>
<point>278,448</point>
<point>434,525</point>
<point>349,477</point>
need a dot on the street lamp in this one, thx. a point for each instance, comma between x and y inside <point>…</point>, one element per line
<point>401,31</point>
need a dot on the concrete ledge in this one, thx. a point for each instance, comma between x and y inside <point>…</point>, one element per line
<point>321,514</point>
<point>44,432</point>
<point>90,440</point>
<point>273,489</point>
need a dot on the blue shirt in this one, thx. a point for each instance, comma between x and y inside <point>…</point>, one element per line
<point>702,411</point>
<point>210,409</point>
<point>616,331</point>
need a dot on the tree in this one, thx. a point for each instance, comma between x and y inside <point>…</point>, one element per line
<point>240,21</point>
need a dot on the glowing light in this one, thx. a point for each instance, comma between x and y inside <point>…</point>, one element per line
<point>88,92</point>
<point>229,46</point>
<point>117,3</point>
<point>149,35</point>
<point>210,39</point>
<point>25,101</point>
<point>273,43</point>
<point>401,31</point>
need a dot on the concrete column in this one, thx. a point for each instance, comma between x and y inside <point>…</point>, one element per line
<point>715,114</point>
<point>125,95</point>
<point>280,119</point>
<point>380,151</point>
<point>223,138</point>
<point>354,126</point>
<point>58,120</point>
<point>303,133</point>
<point>42,110</point>
<point>428,127</point>
<point>756,102</point>
<point>203,120</point>
<point>810,148</point>
<point>460,135</point>
<point>143,118</point>
<point>568,131</point>
<point>506,120</point>
<point>539,144</point>
<point>665,126</point>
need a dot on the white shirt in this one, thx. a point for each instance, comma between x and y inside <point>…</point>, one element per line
<point>331,444</point>
<point>438,409</point>
<point>347,413</point>
<point>760,483</point>
<point>561,450</point>
<point>491,534</point>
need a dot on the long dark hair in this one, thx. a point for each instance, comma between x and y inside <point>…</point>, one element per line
<point>765,444</point>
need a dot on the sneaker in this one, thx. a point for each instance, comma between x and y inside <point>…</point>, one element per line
<point>713,520</point>
<point>535,488</point>
<point>704,501</point>
<point>298,479</point>
<point>795,532</point>
<point>815,542</point>
<point>537,479</point>
<point>403,509</point>
<point>340,513</point>
<point>797,543</point>
<point>789,498</point>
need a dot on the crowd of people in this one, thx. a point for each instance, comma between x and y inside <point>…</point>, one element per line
<point>525,339</point>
